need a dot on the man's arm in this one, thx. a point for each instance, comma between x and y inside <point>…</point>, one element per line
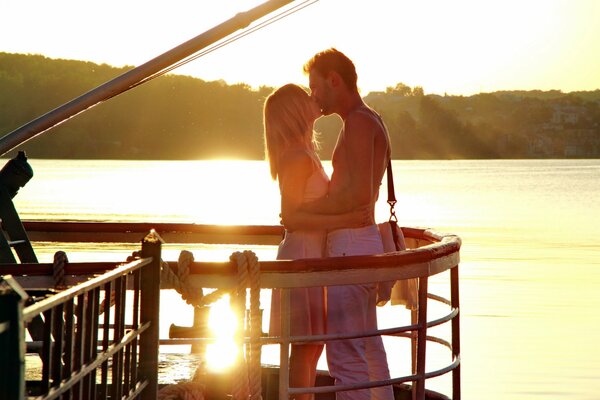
<point>357,189</point>
<point>361,153</point>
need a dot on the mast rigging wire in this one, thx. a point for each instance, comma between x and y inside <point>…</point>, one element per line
<point>168,61</point>
<point>234,38</point>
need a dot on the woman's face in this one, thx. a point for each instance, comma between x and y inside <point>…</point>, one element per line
<point>320,91</point>
<point>316,110</point>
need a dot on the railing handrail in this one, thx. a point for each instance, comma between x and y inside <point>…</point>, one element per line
<point>440,252</point>
<point>83,326</point>
<point>424,261</point>
<point>69,293</point>
<point>142,227</point>
<point>447,244</point>
<point>433,253</point>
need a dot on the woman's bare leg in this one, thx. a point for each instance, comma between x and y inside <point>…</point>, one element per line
<point>303,367</point>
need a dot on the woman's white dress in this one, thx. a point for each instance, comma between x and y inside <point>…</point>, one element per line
<point>307,305</point>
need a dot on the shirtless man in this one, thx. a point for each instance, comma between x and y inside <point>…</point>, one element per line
<point>359,161</point>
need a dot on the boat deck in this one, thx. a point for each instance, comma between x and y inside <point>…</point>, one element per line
<point>79,314</point>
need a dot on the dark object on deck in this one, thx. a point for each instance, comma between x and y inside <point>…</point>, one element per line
<point>13,176</point>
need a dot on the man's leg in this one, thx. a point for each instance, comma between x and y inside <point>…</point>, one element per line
<point>353,309</point>
<point>347,359</point>
<point>376,356</point>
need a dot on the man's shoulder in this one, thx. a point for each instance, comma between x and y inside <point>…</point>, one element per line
<point>364,119</point>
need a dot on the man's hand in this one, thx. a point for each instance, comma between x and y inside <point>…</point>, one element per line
<point>361,217</point>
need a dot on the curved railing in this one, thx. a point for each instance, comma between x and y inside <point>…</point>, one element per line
<point>430,253</point>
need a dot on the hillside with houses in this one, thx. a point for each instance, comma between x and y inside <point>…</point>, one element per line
<point>515,124</point>
<point>180,117</point>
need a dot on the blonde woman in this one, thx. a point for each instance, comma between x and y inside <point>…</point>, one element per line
<point>289,116</point>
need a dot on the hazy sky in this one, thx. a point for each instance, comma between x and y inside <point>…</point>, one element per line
<point>454,47</point>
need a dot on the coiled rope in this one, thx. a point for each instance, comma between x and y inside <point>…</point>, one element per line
<point>179,281</point>
<point>247,386</point>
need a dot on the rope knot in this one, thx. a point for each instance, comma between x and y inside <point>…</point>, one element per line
<point>190,295</point>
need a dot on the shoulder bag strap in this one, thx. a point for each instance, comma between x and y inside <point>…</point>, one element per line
<point>392,202</point>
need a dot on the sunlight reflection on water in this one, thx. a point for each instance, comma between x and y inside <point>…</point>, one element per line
<point>530,269</point>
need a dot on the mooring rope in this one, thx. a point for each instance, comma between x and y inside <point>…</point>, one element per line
<point>179,280</point>
<point>192,296</point>
<point>247,386</point>
<point>182,391</point>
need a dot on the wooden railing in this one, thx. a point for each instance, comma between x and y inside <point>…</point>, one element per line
<point>100,337</point>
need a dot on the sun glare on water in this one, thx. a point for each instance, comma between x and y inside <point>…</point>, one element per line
<point>222,353</point>
<point>230,192</point>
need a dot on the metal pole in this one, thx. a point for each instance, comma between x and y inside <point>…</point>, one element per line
<point>131,77</point>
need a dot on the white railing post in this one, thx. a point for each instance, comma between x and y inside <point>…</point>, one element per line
<point>454,298</point>
<point>284,347</point>
<point>419,393</point>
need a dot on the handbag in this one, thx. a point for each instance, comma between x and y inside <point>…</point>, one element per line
<point>402,292</point>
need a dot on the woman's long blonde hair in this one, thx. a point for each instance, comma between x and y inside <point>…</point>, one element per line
<point>289,114</point>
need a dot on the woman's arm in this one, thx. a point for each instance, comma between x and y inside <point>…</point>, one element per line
<point>293,178</point>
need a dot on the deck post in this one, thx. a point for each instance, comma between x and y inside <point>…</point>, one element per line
<point>419,390</point>
<point>12,339</point>
<point>149,312</point>
<point>200,325</point>
<point>455,303</point>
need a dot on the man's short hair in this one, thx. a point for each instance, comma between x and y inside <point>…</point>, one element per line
<point>333,60</point>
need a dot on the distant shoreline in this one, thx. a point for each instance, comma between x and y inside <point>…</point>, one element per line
<point>179,117</point>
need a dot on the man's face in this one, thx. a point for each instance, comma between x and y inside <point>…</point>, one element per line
<point>320,91</point>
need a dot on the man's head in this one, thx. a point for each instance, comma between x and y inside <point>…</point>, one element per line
<point>330,72</point>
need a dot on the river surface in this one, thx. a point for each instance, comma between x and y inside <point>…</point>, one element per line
<point>530,260</point>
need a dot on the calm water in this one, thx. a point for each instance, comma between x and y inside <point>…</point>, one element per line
<point>530,269</point>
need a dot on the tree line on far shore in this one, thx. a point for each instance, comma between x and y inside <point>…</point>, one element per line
<point>181,118</point>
